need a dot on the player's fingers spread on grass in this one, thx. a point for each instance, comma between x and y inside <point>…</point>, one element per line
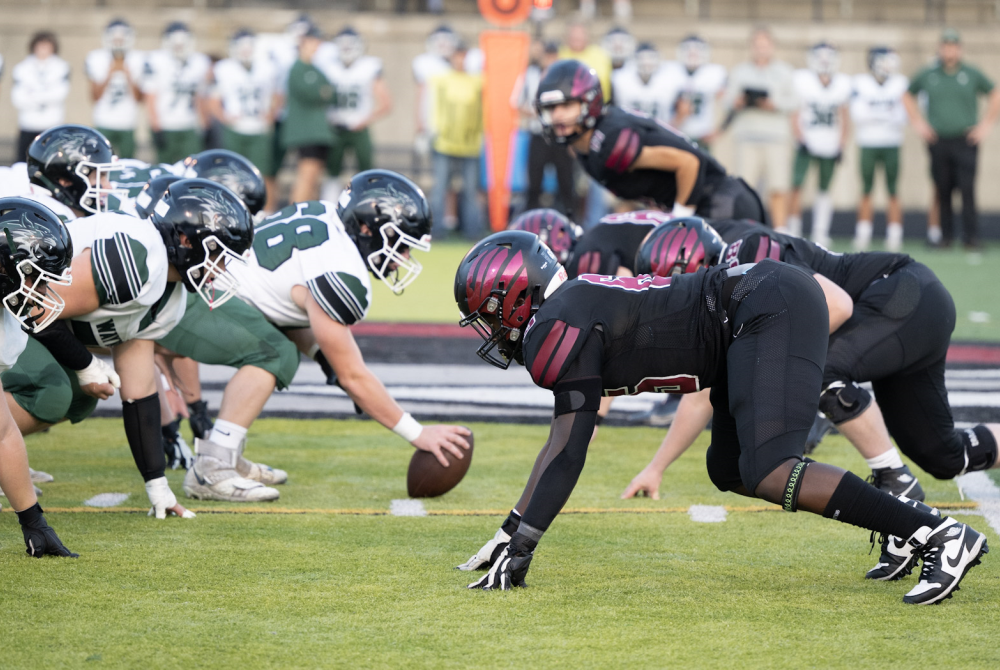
<point>181,511</point>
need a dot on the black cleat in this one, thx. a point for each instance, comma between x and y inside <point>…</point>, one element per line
<point>898,482</point>
<point>661,415</point>
<point>821,427</point>
<point>948,552</point>
<point>898,557</point>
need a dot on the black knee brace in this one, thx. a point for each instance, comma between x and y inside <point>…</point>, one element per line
<point>843,401</point>
<point>790,499</point>
<point>980,448</point>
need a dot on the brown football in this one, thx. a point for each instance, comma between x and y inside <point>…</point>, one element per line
<point>427,478</point>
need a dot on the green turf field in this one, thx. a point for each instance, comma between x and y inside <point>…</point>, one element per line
<point>969,277</point>
<point>323,589</point>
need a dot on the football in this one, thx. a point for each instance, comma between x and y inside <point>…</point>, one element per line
<point>427,478</point>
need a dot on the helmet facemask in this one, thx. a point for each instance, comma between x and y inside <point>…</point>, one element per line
<point>95,196</point>
<point>35,304</point>
<point>647,62</point>
<point>350,47</point>
<point>210,278</point>
<point>389,264</point>
<point>179,43</point>
<point>118,38</point>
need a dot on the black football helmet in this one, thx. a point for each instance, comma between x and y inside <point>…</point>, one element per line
<point>74,154</point>
<point>151,193</point>
<point>569,80</point>
<point>499,286</point>
<point>553,228</point>
<point>679,246</point>
<point>35,254</point>
<point>231,170</point>
<point>217,228</point>
<point>398,219</point>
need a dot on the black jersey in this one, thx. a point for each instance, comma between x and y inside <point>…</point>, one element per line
<point>606,247</point>
<point>659,334</point>
<point>851,272</point>
<point>731,230</point>
<point>618,138</point>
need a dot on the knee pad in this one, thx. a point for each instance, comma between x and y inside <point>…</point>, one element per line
<point>980,448</point>
<point>843,401</point>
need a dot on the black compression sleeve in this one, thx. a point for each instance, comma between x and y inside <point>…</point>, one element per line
<point>142,428</point>
<point>64,346</point>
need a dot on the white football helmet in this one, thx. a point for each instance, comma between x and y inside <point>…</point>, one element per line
<point>442,41</point>
<point>647,61</point>
<point>350,46</point>
<point>118,37</point>
<point>883,62</point>
<point>242,45</point>
<point>620,45</point>
<point>823,59</point>
<point>178,40</point>
<point>693,52</point>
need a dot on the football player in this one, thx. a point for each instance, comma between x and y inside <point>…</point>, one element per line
<point>305,284</point>
<point>553,228</point>
<point>634,157</point>
<point>609,247</point>
<point>755,334</point>
<point>703,84</point>
<point>620,45</point>
<point>245,101</point>
<point>647,85</point>
<point>820,128</point>
<point>34,259</point>
<point>440,46</point>
<point>896,337</point>
<point>115,72</point>
<point>175,83</point>
<point>879,118</point>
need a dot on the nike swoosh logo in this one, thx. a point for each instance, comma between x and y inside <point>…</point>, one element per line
<point>958,554</point>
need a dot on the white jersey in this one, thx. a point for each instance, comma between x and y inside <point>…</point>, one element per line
<point>129,264</point>
<point>14,180</point>
<point>355,98</point>
<point>701,88</point>
<point>117,108</point>
<point>819,111</point>
<point>877,110</point>
<point>246,94</point>
<point>177,85</point>
<point>304,244</point>
<point>656,98</point>
<point>13,340</point>
<point>39,92</point>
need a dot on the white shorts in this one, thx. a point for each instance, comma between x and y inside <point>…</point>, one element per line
<point>766,166</point>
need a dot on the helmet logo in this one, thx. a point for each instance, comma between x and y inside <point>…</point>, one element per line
<point>30,237</point>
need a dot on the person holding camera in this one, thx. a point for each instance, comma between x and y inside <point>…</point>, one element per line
<point>760,96</point>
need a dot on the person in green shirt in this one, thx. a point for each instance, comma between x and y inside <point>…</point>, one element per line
<point>952,130</point>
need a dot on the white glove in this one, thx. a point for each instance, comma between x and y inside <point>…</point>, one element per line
<point>486,555</point>
<point>99,372</point>
<point>162,499</point>
<point>681,211</point>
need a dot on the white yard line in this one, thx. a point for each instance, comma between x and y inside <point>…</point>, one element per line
<point>707,513</point>
<point>979,487</point>
<point>407,507</point>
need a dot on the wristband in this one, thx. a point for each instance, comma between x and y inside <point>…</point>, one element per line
<point>680,211</point>
<point>408,428</point>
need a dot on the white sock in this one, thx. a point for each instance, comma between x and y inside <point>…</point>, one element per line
<point>894,237</point>
<point>934,235</point>
<point>794,225</point>
<point>227,434</point>
<point>889,459</point>
<point>822,216</point>
<point>862,235</point>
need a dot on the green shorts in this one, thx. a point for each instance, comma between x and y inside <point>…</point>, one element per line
<point>122,141</point>
<point>801,166</point>
<point>360,142</point>
<point>46,390</point>
<point>234,334</point>
<point>889,158</point>
<point>176,145</point>
<point>258,149</point>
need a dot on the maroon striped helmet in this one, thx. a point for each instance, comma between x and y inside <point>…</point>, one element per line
<point>499,285</point>
<point>567,80</point>
<point>677,247</point>
<point>552,228</point>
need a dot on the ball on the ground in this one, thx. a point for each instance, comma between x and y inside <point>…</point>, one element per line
<point>427,478</point>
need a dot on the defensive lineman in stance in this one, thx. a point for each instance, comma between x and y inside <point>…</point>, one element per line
<point>756,334</point>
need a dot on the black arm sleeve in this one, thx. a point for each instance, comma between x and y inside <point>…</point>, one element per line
<point>64,346</point>
<point>570,438</point>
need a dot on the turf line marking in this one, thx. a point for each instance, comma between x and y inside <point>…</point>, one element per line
<point>707,513</point>
<point>106,500</point>
<point>407,507</point>
<point>979,487</point>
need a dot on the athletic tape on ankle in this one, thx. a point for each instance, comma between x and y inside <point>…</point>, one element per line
<point>408,428</point>
<point>790,501</point>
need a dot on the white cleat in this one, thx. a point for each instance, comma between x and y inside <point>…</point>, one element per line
<point>39,477</point>
<point>259,472</point>
<point>164,501</point>
<point>214,477</point>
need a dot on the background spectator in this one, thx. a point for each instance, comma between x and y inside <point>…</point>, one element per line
<point>175,83</point>
<point>704,82</point>
<point>952,87</point>
<point>115,72</point>
<point>244,100</point>
<point>540,153</point>
<point>457,124</point>
<point>759,98</point>
<point>41,84</point>
<point>440,45</point>
<point>305,129</point>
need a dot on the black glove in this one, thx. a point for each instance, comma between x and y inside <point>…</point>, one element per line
<point>159,140</point>
<point>201,424</point>
<point>39,538</point>
<point>510,568</point>
<point>177,451</point>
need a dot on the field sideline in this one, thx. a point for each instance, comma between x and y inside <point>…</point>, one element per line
<point>319,589</point>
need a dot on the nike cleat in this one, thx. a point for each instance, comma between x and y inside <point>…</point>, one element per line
<point>898,557</point>
<point>39,477</point>
<point>948,552</point>
<point>214,477</point>
<point>898,482</point>
<point>259,472</point>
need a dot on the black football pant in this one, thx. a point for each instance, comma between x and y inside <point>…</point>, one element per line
<point>540,154</point>
<point>898,339</point>
<point>767,399</point>
<point>732,198</point>
<point>953,166</point>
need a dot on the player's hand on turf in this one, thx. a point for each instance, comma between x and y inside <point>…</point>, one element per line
<point>163,500</point>
<point>40,540</point>
<point>487,554</point>
<point>507,572</point>
<point>646,483</point>
<point>436,439</point>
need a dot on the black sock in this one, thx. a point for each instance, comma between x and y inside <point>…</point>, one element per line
<point>142,428</point>
<point>860,504</point>
<point>511,523</point>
